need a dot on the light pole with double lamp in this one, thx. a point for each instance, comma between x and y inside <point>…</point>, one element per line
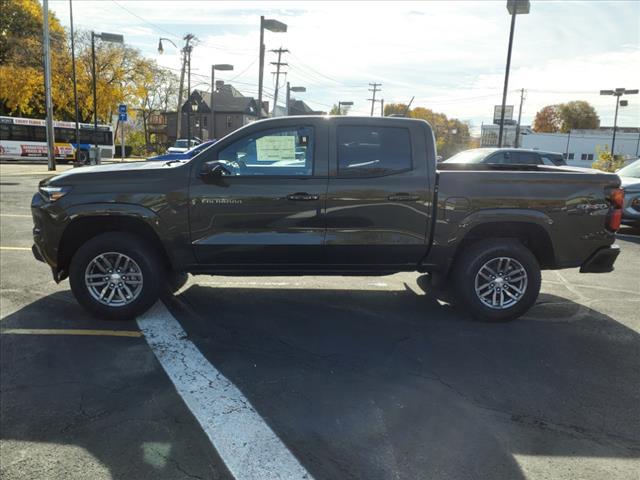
<point>221,67</point>
<point>346,104</point>
<point>618,92</point>
<point>514,7</point>
<point>273,26</point>
<point>105,37</point>
<point>292,89</point>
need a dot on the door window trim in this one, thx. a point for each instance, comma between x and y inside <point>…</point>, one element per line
<point>354,177</point>
<point>264,133</point>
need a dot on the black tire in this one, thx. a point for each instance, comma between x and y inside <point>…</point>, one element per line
<point>134,247</point>
<point>469,263</point>
<point>175,281</point>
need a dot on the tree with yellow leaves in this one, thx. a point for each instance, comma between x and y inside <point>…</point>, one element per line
<point>123,75</point>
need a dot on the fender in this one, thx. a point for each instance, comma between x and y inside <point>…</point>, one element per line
<point>452,232</point>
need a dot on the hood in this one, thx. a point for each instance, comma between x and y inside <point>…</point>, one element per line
<point>630,184</point>
<point>123,170</point>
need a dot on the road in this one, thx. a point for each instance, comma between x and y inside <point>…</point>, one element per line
<point>329,377</point>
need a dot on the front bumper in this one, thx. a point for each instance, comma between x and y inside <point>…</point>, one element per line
<point>601,261</point>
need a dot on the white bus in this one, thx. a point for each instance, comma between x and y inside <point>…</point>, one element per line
<point>22,138</point>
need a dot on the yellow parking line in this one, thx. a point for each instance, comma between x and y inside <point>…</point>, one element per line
<point>16,248</point>
<point>62,331</point>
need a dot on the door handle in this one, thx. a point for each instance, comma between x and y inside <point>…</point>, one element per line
<point>302,196</point>
<point>403,197</point>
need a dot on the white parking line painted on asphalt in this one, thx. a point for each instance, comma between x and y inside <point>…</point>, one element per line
<point>16,249</point>
<point>14,215</point>
<point>246,444</point>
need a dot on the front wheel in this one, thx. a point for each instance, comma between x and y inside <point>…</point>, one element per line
<point>116,276</point>
<point>498,280</point>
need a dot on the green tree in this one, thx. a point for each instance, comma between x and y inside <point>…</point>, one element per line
<point>342,110</point>
<point>578,114</point>
<point>565,117</point>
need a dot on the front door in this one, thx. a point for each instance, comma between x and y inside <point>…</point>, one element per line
<point>266,210</point>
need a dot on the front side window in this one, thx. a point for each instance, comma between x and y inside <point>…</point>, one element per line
<point>286,151</point>
<point>373,151</point>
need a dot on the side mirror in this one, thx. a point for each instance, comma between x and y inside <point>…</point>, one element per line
<point>214,169</point>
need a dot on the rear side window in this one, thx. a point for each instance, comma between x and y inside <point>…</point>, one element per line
<point>373,151</point>
<point>525,158</point>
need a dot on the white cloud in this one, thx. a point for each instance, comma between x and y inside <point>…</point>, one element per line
<point>450,55</point>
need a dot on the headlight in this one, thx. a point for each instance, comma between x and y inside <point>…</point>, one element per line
<point>54,193</point>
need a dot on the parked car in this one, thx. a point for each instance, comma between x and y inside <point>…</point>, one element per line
<point>182,145</point>
<point>324,196</point>
<point>184,155</point>
<point>508,156</point>
<point>630,176</point>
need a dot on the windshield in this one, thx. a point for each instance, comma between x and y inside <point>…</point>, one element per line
<point>631,170</point>
<point>469,156</point>
<point>181,144</point>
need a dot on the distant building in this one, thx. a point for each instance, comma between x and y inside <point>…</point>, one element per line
<point>231,110</point>
<point>580,147</point>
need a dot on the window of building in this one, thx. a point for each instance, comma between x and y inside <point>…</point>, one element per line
<point>583,156</point>
<point>373,151</point>
<point>229,121</point>
<point>590,156</point>
<point>571,156</point>
<point>285,151</point>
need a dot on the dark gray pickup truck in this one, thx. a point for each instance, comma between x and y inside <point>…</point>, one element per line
<point>323,196</point>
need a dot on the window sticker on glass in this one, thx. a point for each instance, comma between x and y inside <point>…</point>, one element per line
<point>276,147</point>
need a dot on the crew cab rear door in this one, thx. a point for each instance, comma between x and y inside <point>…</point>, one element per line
<point>380,194</point>
<point>266,210</point>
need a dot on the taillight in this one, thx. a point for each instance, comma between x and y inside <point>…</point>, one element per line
<point>614,219</point>
<point>617,197</point>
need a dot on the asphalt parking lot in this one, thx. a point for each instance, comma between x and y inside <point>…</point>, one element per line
<point>320,377</point>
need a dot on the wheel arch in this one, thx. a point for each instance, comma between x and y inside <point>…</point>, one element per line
<point>532,235</point>
<point>83,228</point>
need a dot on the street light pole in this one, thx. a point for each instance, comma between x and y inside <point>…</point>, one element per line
<point>272,26</point>
<point>75,86</point>
<point>618,92</point>
<point>95,100</point>
<point>51,145</point>
<point>346,104</point>
<point>292,89</point>
<point>514,7</point>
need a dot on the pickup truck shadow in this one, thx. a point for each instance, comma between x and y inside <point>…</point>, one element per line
<point>393,384</point>
<point>366,383</point>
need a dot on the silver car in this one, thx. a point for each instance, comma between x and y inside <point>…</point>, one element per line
<point>630,176</point>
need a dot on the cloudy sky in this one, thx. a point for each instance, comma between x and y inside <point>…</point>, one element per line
<point>449,55</point>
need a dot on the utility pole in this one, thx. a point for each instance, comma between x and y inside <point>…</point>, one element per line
<point>278,64</point>
<point>180,94</point>
<point>51,152</point>
<point>374,90</point>
<point>517,144</point>
<point>382,107</point>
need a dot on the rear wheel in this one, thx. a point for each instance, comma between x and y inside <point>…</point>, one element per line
<point>498,280</point>
<point>116,276</point>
